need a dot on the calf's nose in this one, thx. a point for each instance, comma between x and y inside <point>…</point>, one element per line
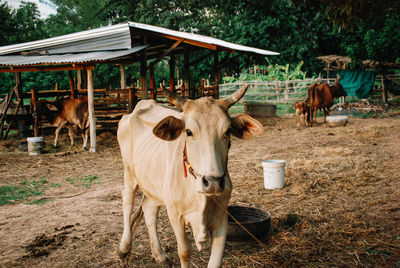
<point>213,185</point>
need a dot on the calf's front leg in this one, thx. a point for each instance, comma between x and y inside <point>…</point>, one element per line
<point>218,238</point>
<point>178,225</point>
<point>150,211</point>
<point>59,127</point>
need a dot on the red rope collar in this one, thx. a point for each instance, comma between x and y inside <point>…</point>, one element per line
<point>186,163</point>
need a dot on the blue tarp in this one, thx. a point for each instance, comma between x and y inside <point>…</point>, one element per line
<point>357,83</point>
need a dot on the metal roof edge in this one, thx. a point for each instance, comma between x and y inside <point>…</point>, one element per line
<point>69,58</point>
<point>200,38</point>
<point>68,38</point>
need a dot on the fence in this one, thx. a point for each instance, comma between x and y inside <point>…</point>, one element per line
<point>274,92</point>
<point>282,92</point>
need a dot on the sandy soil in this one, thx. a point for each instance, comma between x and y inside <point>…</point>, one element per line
<point>342,189</point>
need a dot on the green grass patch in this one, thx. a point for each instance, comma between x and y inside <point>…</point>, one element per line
<point>27,190</point>
<point>55,185</point>
<point>85,181</point>
<point>10,194</point>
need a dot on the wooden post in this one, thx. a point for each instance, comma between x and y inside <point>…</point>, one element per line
<point>131,99</point>
<point>172,73</point>
<point>20,100</point>
<point>327,73</point>
<point>4,112</point>
<point>202,94</point>
<point>216,75</point>
<point>35,118</point>
<point>79,79</point>
<point>92,121</point>
<point>287,90</point>
<point>143,71</point>
<point>277,89</point>
<point>123,79</point>
<point>153,83</point>
<point>188,92</point>
<point>384,91</point>
<point>71,84</point>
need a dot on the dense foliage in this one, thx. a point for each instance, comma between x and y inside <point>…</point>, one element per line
<point>300,30</point>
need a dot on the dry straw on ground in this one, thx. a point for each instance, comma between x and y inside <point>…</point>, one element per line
<point>340,206</point>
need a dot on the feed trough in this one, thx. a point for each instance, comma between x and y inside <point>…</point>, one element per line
<point>337,120</point>
<point>256,221</point>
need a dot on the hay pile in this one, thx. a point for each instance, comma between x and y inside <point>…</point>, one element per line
<point>340,206</point>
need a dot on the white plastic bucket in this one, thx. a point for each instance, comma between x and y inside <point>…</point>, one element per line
<point>35,145</point>
<point>274,174</point>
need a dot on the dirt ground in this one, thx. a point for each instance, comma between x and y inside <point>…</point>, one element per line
<point>340,206</point>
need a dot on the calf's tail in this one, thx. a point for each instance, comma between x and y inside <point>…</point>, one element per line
<point>292,105</point>
<point>137,216</point>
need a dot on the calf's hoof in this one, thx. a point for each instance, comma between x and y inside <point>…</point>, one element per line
<point>123,255</point>
<point>165,263</point>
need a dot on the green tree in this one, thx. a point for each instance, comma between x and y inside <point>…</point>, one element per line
<point>7,24</point>
<point>29,26</point>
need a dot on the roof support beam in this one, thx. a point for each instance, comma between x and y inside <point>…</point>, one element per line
<point>166,53</point>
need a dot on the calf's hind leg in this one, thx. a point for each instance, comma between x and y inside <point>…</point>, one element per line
<point>128,202</point>
<point>71,134</point>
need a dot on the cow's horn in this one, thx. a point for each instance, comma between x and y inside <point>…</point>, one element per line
<point>175,99</point>
<point>235,97</point>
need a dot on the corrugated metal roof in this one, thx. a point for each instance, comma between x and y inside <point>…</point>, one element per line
<point>68,58</point>
<point>201,38</point>
<point>115,37</point>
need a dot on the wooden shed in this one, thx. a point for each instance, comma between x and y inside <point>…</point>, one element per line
<point>121,44</point>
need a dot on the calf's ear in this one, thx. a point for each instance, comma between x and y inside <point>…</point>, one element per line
<point>169,128</point>
<point>244,126</point>
<point>51,107</point>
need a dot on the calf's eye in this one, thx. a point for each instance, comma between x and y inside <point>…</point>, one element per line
<point>188,132</point>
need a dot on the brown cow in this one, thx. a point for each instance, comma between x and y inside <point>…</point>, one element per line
<point>321,96</point>
<point>66,112</point>
<point>301,108</point>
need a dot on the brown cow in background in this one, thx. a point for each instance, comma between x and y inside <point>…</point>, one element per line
<point>66,112</point>
<point>321,96</point>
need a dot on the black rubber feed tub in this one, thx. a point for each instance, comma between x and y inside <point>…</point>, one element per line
<point>256,221</point>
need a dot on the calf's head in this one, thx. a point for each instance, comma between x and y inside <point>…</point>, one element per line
<point>46,111</point>
<point>206,128</point>
<point>339,90</point>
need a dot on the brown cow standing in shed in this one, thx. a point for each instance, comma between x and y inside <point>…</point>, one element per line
<point>321,96</point>
<point>68,113</point>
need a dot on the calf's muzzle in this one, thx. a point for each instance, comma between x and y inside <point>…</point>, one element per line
<point>213,185</point>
